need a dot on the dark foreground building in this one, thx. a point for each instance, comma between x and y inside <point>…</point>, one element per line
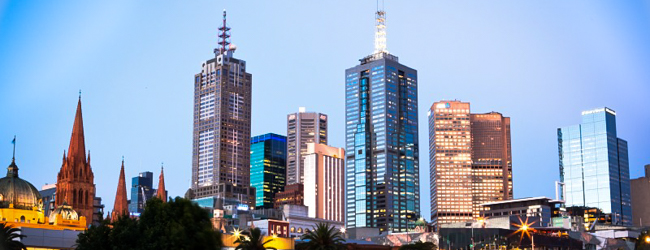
<point>493,238</point>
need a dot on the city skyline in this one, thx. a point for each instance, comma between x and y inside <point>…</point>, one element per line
<point>147,118</point>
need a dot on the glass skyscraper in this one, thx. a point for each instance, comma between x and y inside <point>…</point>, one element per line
<point>141,191</point>
<point>268,167</point>
<point>594,165</point>
<point>381,141</point>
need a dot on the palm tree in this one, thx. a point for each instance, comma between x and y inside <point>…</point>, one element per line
<point>323,237</point>
<point>9,237</point>
<point>253,242</point>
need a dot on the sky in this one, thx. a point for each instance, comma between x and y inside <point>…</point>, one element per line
<point>539,62</point>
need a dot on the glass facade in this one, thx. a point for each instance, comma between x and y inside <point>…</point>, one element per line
<point>141,191</point>
<point>594,165</point>
<point>268,167</point>
<point>382,159</point>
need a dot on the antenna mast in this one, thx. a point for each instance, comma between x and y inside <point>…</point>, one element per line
<point>380,24</point>
<point>224,36</point>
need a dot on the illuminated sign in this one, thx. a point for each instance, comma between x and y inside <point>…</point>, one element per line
<point>242,207</point>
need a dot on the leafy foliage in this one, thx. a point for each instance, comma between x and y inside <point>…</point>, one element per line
<point>322,237</point>
<point>177,224</point>
<point>9,236</point>
<point>254,241</point>
<point>419,246</point>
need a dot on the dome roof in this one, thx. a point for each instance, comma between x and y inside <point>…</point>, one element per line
<point>66,212</point>
<point>19,192</point>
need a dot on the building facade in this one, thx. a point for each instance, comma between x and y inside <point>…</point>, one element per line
<point>594,165</point>
<point>450,159</point>
<point>382,149</point>
<point>302,128</point>
<point>141,191</point>
<point>292,195</point>
<point>268,167</point>
<point>222,120</point>
<point>75,183</point>
<point>324,182</point>
<point>470,161</point>
<point>640,194</point>
<point>491,160</point>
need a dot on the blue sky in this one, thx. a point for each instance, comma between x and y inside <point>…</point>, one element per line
<point>539,62</point>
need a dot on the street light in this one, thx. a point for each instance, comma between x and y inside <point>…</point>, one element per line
<point>647,239</point>
<point>524,228</point>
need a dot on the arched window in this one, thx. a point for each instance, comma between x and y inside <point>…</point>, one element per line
<point>300,230</point>
<point>22,218</point>
<point>81,197</point>
<point>74,197</point>
<point>81,172</point>
<point>88,199</point>
<point>293,229</point>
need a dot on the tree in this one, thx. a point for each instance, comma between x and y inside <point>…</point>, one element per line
<point>322,237</point>
<point>419,245</point>
<point>9,238</point>
<point>643,242</point>
<point>254,241</point>
<point>177,224</point>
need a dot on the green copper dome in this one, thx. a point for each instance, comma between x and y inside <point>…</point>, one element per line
<point>19,192</point>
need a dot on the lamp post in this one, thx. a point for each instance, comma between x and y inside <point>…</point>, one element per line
<point>524,228</point>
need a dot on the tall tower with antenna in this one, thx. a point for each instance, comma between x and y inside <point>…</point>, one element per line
<point>222,125</point>
<point>382,148</point>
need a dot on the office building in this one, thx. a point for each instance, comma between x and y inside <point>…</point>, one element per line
<point>75,183</point>
<point>324,182</point>
<point>141,191</point>
<point>450,160</point>
<point>491,160</point>
<point>640,193</point>
<point>302,128</point>
<point>470,161</point>
<point>268,167</point>
<point>382,158</point>
<point>292,195</point>
<point>594,165</point>
<point>222,124</point>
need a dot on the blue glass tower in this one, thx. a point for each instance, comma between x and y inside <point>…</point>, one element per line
<point>268,167</point>
<point>594,165</point>
<point>381,141</point>
<point>141,191</point>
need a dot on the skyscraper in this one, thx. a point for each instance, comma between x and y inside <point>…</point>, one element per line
<point>491,160</point>
<point>75,183</point>
<point>268,167</point>
<point>302,128</point>
<point>470,161</point>
<point>594,165</point>
<point>450,160</point>
<point>382,159</point>
<point>222,125</point>
<point>141,191</point>
<point>324,187</point>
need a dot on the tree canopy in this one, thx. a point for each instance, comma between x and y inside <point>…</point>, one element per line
<point>177,224</point>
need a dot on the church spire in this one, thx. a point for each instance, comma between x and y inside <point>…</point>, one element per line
<point>77,148</point>
<point>120,208</point>
<point>161,193</point>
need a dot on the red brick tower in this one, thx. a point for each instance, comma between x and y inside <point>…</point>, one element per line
<point>75,183</point>
<point>161,193</point>
<point>120,208</point>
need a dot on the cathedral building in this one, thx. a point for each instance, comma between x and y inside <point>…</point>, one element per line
<point>75,182</point>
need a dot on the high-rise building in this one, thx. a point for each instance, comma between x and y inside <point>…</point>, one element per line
<point>450,160</point>
<point>302,128</point>
<point>268,167</point>
<point>75,183</point>
<point>141,191</point>
<point>292,195</point>
<point>640,192</point>
<point>470,161</point>
<point>594,165</point>
<point>324,182</point>
<point>222,125</point>
<point>382,159</point>
<point>491,160</point>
